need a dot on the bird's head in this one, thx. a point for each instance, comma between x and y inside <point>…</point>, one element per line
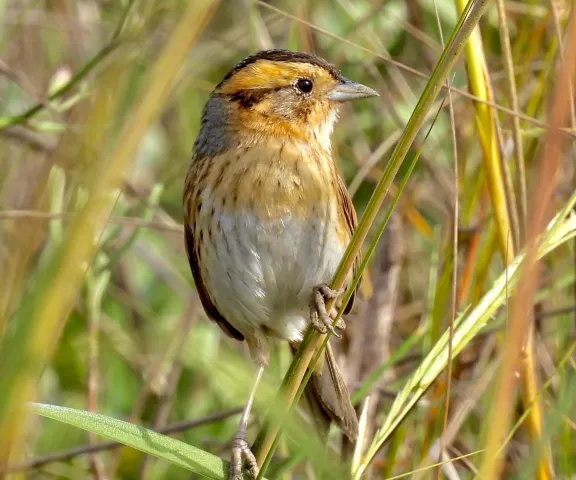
<point>283,94</point>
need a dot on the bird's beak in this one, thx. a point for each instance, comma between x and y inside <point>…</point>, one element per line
<point>349,90</point>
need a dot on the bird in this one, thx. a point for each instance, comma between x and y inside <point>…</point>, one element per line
<point>267,218</point>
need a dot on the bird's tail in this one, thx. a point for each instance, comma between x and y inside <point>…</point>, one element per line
<point>328,397</point>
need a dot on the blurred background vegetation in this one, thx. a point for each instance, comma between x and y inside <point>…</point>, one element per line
<point>97,305</point>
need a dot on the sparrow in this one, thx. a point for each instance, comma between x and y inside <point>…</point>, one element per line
<point>267,218</point>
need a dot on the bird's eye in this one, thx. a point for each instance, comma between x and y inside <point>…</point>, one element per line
<point>304,85</point>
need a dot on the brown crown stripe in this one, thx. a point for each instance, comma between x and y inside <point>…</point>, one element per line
<point>284,56</point>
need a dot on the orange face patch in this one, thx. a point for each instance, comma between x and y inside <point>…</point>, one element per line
<point>265,74</point>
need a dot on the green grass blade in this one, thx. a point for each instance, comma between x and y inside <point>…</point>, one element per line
<point>467,326</point>
<point>140,438</point>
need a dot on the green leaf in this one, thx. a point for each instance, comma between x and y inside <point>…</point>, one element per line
<point>140,438</point>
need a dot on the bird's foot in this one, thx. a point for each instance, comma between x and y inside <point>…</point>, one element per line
<point>320,318</point>
<point>241,453</point>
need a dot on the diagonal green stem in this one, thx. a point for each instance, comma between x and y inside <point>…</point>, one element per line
<point>313,341</point>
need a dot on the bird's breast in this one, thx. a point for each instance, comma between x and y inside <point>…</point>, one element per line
<point>275,178</point>
<point>269,226</point>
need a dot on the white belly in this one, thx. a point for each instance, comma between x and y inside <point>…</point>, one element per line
<point>262,274</point>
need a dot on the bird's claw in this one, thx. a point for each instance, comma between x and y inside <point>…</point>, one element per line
<point>321,320</point>
<point>241,452</point>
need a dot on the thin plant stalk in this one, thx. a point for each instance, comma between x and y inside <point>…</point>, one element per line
<point>550,162</point>
<point>502,200</point>
<point>454,292</point>
<point>313,340</point>
<point>517,135</point>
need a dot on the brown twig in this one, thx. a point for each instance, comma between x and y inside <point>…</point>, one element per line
<point>371,346</point>
<point>555,312</point>
<point>96,465</point>
<point>20,79</point>
<point>116,220</point>
<point>31,139</point>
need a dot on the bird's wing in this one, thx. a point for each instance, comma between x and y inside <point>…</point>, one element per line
<point>349,213</point>
<point>209,307</point>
